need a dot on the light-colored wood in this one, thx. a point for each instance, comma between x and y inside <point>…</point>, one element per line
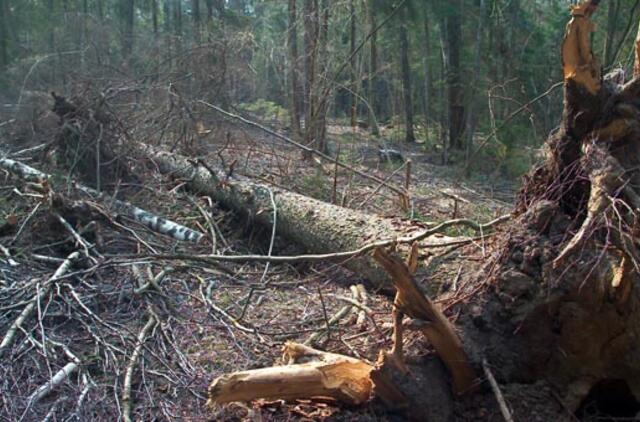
<point>412,302</point>
<point>309,374</point>
<point>578,62</point>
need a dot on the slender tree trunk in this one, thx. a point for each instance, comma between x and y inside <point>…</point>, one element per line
<point>471,118</point>
<point>352,64</point>
<point>373,69</point>
<point>167,27</point>
<point>612,21</point>
<point>295,91</point>
<point>195,5</point>
<point>84,32</point>
<point>321,131</point>
<point>209,4</point>
<point>310,50</point>
<point>4,43</point>
<point>52,39</point>
<point>428,78</point>
<point>406,77</point>
<point>127,44</point>
<point>100,7</point>
<point>154,16</point>
<point>454,83</point>
<point>444,111</point>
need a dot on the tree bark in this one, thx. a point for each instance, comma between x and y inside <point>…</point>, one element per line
<point>323,100</point>
<point>4,42</point>
<point>373,70</point>
<point>406,77</point>
<point>428,74</point>
<point>310,19</point>
<point>352,64</point>
<point>129,17</point>
<point>612,21</point>
<point>471,118</point>
<point>318,226</point>
<point>454,78</point>
<point>152,221</point>
<point>295,92</point>
<point>195,6</point>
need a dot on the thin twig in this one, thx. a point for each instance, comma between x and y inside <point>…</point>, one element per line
<point>504,408</point>
<point>133,361</point>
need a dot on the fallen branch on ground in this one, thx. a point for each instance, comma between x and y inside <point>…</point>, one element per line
<point>9,337</point>
<point>152,221</point>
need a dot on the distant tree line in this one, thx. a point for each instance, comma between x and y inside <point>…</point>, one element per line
<point>454,74</point>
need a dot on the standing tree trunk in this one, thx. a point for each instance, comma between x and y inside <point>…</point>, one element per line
<point>4,43</point>
<point>323,100</point>
<point>295,91</point>
<point>154,17</point>
<point>428,78</point>
<point>352,64</point>
<point>612,21</point>
<point>127,42</point>
<point>209,4</point>
<point>373,69</point>
<point>444,111</point>
<point>471,118</point>
<point>195,5</point>
<point>454,83</point>
<point>310,11</point>
<point>406,77</point>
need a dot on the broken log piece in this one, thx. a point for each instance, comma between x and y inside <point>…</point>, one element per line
<point>308,374</point>
<point>152,221</point>
<point>23,171</point>
<point>412,302</point>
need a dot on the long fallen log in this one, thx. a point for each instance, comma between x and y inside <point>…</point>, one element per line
<point>152,221</point>
<point>316,225</point>
<point>326,230</point>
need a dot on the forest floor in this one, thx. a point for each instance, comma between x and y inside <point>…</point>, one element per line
<point>204,325</point>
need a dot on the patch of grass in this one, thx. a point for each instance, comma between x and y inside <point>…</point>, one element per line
<point>315,185</point>
<point>267,110</point>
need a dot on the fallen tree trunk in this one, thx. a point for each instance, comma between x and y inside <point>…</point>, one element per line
<point>152,221</point>
<point>318,226</point>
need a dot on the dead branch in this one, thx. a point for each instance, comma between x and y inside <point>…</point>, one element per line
<point>504,408</point>
<point>133,362</point>
<point>306,149</point>
<point>152,221</point>
<point>9,337</point>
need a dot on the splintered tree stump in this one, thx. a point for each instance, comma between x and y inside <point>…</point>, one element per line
<point>308,374</point>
